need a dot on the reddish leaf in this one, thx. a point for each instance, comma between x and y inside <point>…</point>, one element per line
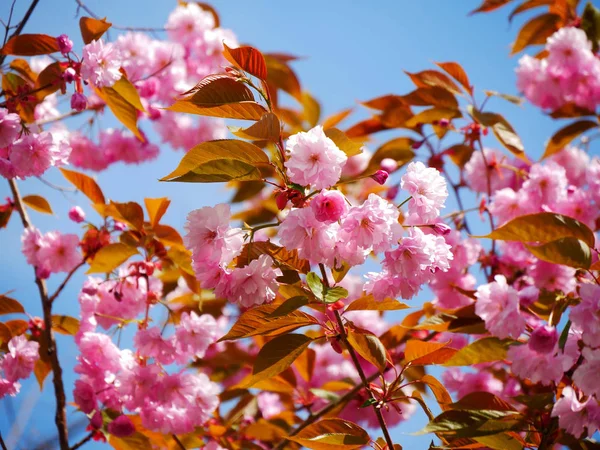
<point>17,327</point>
<point>434,78</point>
<point>536,31</point>
<point>336,118</point>
<point>267,128</point>
<point>131,213</point>
<point>10,306</point>
<point>30,45</point>
<point>332,434</point>
<point>420,353</point>
<point>566,134</point>
<point>281,76</point>
<point>93,29</point>
<point>367,302</point>
<point>490,5</point>
<point>369,347</point>
<point>456,71</point>
<point>248,59</point>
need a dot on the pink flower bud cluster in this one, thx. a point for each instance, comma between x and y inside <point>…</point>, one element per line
<point>17,364</point>
<point>569,74</point>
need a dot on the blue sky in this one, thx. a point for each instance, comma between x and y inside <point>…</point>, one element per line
<point>352,51</point>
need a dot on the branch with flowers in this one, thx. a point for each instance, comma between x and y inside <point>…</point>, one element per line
<point>271,322</point>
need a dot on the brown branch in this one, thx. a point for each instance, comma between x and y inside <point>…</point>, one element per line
<point>65,281</point>
<point>361,373</point>
<point>21,25</point>
<point>2,444</point>
<point>59,389</point>
<point>83,441</point>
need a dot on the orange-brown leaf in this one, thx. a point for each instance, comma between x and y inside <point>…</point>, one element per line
<point>30,45</point>
<point>456,71</point>
<point>93,29</point>
<point>85,184</point>
<point>248,59</point>
<point>536,31</point>
<point>156,208</point>
<point>38,203</point>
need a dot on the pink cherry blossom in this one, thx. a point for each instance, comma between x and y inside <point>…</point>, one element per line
<point>269,404</point>
<point>585,314</point>
<point>121,427</point>
<point>255,283</point>
<point>31,243</point>
<point>314,159</point>
<point>427,189</point>
<point>329,206</point>
<point>539,367</point>
<point>151,344</point>
<point>476,172</point>
<point>543,339</point>
<point>574,415</point>
<point>21,357</point>
<point>59,252</point>
<point>194,335</point>
<point>498,305</point>
<point>100,64</point>
<point>586,375</point>
<point>10,127</point>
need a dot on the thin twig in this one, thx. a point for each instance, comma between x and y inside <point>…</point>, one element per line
<point>83,441</point>
<point>61,117</point>
<point>65,281</point>
<point>2,444</point>
<point>181,446</point>
<point>59,389</point>
<point>21,25</point>
<point>12,7</point>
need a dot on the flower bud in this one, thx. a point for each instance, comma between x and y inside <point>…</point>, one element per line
<point>76,214</point>
<point>64,44</point>
<point>442,229</point>
<point>329,206</point>
<point>281,200</point>
<point>392,192</point>
<point>336,346</point>
<point>543,339</point>
<point>380,176</point>
<point>388,164</point>
<point>121,427</point>
<point>78,102</point>
<point>69,75</point>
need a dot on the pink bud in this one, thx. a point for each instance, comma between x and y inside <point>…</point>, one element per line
<point>528,295</point>
<point>121,427</point>
<point>442,229</point>
<point>42,272</point>
<point>281,199</point>
<point>329,206</point>
<point>120,226</point>
<point>78,102</point>
<point>443,122</point>
<point>96,421</point>
<point>392,192</point>
<point>64,44</point>
<point>380,176</point>
<point>543,339</point>
<point>69,75</point>
<point>76,214</point>
<point>388,164</point>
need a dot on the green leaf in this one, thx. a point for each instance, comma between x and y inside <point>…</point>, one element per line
<point>331,434</point>
<point>315,284</point>
<point>334,294</point>
<point>221,160</point>
<point>277,355</point>
<point>487,349</point>
<point>368,303</point>
<point>566,134</point>
<point>110,257</point>
<point>542,227</point>
<point>568,251</point>
<point>369,347</point>
<point>562,340</point>
<point>590,23</point>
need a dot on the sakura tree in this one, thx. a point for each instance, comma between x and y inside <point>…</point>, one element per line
<point>266,322</point>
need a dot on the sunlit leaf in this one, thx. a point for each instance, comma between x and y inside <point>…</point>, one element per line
<point>483,350</point>
<point>482,400</point>
<point>267,128</point>
<point>369,347</point>
<point>565,135</point>
<point>471,423</point>
<point>281,76</point>
<point>156,208</point>
<point>85,184</point>
<point>590,23</point>
<point>440,393</point>
<point>65,325</point>
<point>543,227</point>
<point>110,257</point>
<point>124,111</point>
<point>331,434</point>
<point>367,302</point>
<point>503,130</point>
<point>17,327</point>
<point>490,5</point>
<point>222,160</point>
<point>10,306</point>
<point>456,71</point>
<point>334,294</point>
<point>38,203</point>
<point>41,369</point>
<point>315,284</point>
<point>398,149</point>
<point>258,321</point>
<point>432,115</point>
<point>291,304</point>
<point>336,118</point>
<point>128,91</point>
<point>434,78</point>
<point>30,45</point>
<point>305,364</point>
<point>536,31</point>
<point>277,355</point>
<point>420,353</point>
<point>431,96</point>
<point>460,154</point>
<point>568,251</point>
<point>93,29</point>
<point>131,213</point>
<point>248,59</point>
<point>287,259</point>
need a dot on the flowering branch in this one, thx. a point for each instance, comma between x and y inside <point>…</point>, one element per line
<point>59,390</point>
<point>361,373</point>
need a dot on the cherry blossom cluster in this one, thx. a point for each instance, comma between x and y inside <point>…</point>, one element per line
<point>569,74</point>
<point>17,364</point>
<point>52,252</point>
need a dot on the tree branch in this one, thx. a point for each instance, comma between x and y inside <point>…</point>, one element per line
<point>361,373</point>
<point>65,281</point>
<point>59,390</point>
<point>83,441</point>
<point>2,444</point>
<point>21,25</point>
